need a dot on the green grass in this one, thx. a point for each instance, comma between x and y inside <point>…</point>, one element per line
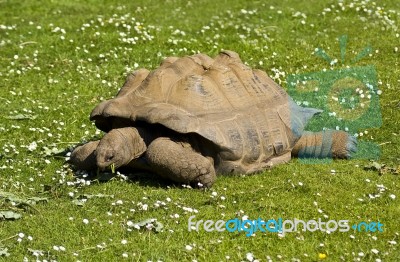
<point>59,59</point>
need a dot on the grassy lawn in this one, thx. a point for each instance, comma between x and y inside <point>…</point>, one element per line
<point>59,59</point>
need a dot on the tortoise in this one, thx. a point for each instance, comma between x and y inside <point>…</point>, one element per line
<point>195,117</point>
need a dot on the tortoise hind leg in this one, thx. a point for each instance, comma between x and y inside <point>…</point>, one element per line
<point>324,144</point>
<point>179,162</point>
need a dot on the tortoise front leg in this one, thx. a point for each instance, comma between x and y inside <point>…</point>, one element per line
<point>179,162</point>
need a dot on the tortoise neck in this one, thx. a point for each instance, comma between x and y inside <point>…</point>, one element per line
<point>147,135</point>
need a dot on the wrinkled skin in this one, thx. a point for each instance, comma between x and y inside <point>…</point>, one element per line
<point>119,147</point>
<point>176,161</point>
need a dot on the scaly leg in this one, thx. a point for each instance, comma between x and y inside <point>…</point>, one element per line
<point>179,162</point>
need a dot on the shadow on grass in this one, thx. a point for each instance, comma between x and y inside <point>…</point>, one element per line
<point>142,178</point>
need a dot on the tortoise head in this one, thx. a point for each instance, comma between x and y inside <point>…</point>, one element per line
<point>119,147</point>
